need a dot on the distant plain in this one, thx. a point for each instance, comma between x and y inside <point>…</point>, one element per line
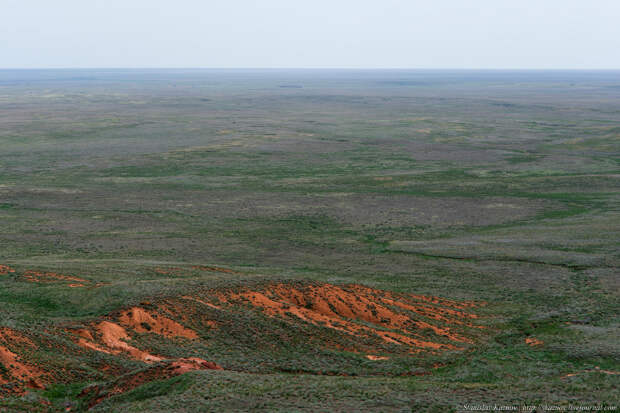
<point>496,189</point>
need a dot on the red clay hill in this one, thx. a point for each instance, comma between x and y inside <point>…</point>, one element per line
<point>373,323</point>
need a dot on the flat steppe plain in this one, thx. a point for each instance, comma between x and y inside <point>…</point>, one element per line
<point>210,240</point>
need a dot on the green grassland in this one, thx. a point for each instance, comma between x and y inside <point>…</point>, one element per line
<point>496,187</point>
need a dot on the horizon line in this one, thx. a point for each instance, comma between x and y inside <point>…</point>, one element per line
<point>306,68</point>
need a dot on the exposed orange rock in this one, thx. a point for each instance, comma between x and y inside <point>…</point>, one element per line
<point>8,335</point>
<point>372,323</point>
<point>37,276</point>
<point>179,310</point>
<point>52,277</point>
<point>376,358</point>
<point>142,321</point>
<point>533,341</point>
<point>96,394</point>
<point>115,337</point>
<point>445,315</point>
<point>359,310</point>
<point>194,363</point>
<point>412,323</point>
<point>5,269</point>
<point>17,370</point>
<point>84,333</point>
<point>87,340</point>
<point>92,346</point>
<point>400,339</point>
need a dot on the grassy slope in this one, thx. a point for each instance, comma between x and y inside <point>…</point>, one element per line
<point>499,188</point>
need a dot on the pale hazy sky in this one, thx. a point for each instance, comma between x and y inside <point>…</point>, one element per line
<point>310,33</point>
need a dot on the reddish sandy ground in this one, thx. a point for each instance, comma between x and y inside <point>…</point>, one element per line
<point>35,276</point>
<point>5,269</point>
<point>362,311</point>
<point>18,371</point>
<point>410,323</point>
<point>533,341</point>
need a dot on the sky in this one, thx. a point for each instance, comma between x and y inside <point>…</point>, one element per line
<point>473,34</point>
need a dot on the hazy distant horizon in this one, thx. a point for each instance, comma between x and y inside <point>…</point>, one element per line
<point>318,69</point>
<point>284,68</point>
<point>309,79</point>
<point>319,34</point>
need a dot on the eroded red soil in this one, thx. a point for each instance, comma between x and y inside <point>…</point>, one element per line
<point>407,320</point>
<point>143,321</point>
<point>376,358</point>
<point>47,277</point>
<point>96,394</point>
<point>5,269</point>
<point>534,342</point>
<point>35,276</point>
<point>373,323</point>
<point>15,369</point>
<point>113,338</point>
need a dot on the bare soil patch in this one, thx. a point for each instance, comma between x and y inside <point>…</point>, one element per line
<point>373,323</point>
